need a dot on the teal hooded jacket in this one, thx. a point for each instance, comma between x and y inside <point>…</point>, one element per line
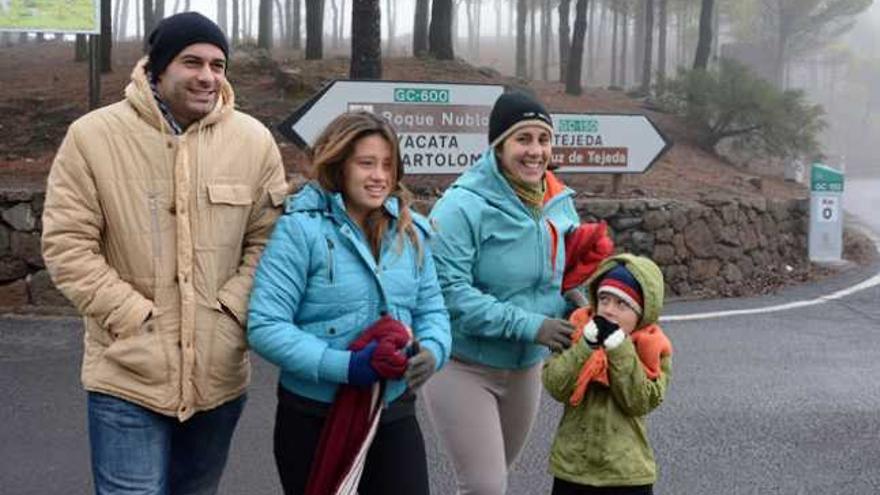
<point>500,266</point>
<point>318,287</point>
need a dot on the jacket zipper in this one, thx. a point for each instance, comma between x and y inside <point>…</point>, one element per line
<point>154,218</point>
<point>330,259</point>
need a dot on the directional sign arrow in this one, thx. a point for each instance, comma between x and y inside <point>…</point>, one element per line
<point>442,126</point>
<point>606,143</point>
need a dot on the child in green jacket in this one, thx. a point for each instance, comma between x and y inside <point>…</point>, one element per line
<point>613,375</point>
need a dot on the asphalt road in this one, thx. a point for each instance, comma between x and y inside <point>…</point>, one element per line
<point>783,402</point>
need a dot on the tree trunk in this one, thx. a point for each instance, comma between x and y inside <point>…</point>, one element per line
<point>122,30</point>
<point>158,11</point>
<point>366,40</point>
<point>521,11</point>
<point>148,18</point>
<point>391,18</point>
<point>334,35</point>
<point>106,37</point>
<point>638,40</point>
<point>296,31</point>
<point>440,31</point>
<point>223,16</point>
<point>264,31</point>
<point>279,14</point>
<point>546,33</point>
<point>532,38</point>
<point>704,44</point>
<point>81,49</point>
<point>498,11</point>
<point>342,21</point>
<point>564,37</point>
<point>592,34</point>
<point>236,22</point>
<point>176,7</point>
<point>137,19</point>
<point>661,48</point>
<point>649,47</point>
<point>576,56</point>
<point>420,29</point>
<point>624,45</point>
<point>117,12</point>
<point>614,25</point>
<point>315,29</point>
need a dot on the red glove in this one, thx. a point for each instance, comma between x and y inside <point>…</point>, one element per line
<point>389,358</point>
<point>585,248</point>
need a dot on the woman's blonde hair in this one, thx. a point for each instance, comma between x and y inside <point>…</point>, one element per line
<point>336,144</point>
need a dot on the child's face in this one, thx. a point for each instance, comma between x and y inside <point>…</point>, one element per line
<point>617,310</point>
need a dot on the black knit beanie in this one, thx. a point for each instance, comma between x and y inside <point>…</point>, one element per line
<point>515,110</point>
<point>177,32</point>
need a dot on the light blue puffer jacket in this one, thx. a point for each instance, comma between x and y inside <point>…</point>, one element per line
<point>318,286</point>
<point>496,264</point>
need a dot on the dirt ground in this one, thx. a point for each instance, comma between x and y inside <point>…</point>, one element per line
<point>42,90</point>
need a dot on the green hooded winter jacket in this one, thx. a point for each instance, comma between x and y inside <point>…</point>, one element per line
<point>604,441</point>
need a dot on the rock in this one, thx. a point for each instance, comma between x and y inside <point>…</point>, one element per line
<point>642,242</point>
<point>699,239</point>
<point>731,273</point>
<point>12,268</point>
<point>489,72</point>
<point>27,247</point>
<point>664,235</point>
<point>704,270</point>
<point>43,291</point>
<point>600,208</point>
<point>4,240</point>
<point>16,195</point>
<point>656,219</point>
<point>21,217</point>
<point>621,224</point>
<point>664,254</point>
<point>14,294</point>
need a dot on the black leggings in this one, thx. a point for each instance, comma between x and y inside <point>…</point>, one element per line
<point>562,487</point>
<point>396,462</point>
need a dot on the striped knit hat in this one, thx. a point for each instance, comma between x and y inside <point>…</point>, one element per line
<point>620,282</point>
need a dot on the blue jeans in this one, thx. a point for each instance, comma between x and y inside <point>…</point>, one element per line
<point>138,451</point>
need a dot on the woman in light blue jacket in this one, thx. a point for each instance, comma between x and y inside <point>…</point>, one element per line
<point>500,255</point>
<point>347,251</point>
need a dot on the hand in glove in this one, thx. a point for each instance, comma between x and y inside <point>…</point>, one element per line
<point>602,332</point>
<point>360,372</point>
<point>555,334</point>
<point>598,330</point>
<point>420,367</point>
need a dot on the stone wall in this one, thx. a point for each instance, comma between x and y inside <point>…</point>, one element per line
<point>709,248</point>
<point>727,247</point>
<point>23,277</point>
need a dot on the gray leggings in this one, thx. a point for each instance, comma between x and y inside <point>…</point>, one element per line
<point>483,417</point>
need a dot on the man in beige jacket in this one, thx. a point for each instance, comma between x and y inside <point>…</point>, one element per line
<point>157,210</point>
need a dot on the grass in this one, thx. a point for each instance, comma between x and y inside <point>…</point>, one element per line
<point>49,15</point>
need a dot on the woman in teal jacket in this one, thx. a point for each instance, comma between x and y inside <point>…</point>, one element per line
<point>500,254</point>
<point>347,251</point>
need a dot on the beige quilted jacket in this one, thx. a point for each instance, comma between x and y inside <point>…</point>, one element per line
<point>149,233</point>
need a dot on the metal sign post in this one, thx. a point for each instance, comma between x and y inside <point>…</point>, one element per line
<point>826,214</point>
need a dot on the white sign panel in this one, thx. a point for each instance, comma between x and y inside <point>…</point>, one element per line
<point>605,143</point>
<point>442,126</point>
<point>828,209</point>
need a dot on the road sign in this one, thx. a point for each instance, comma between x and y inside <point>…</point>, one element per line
<point>606,143</point>
<point>826,224</point>
<point>442,126</point>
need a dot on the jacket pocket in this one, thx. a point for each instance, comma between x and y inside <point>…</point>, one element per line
<point>229,367</point>
<point>229,206</point>
<point>141,356</point>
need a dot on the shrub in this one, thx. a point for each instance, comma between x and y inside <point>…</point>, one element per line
<point>731,102</point>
